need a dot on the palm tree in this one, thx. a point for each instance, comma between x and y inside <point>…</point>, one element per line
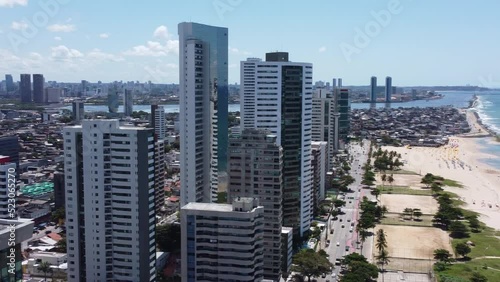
<point>45,268</point>
<point>381,240</point>
<point>390,179</point>
<point>383,259</point>
<point>383,178</point>
<point>408,212</point>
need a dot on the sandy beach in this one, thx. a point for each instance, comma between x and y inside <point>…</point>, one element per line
<point>481,191</point>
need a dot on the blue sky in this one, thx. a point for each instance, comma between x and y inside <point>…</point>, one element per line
<point>416,42</point>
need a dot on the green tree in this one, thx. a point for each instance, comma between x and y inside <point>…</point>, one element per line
<point>338,203</point>
<point>458,230</point>
<point>474,224</point>
<point>44,267</point>
<point>58,215</point>
<point>462,249</point>
<point>428,179</point>
<point>61,245</point>
<point>390,179</point>
<point>442,255</point>
<point>384,179</point>
<point>417,213</point>
<point>478,277</point>
<point>376,193</point>
<point>383,259</point>
<point>168,237</point>
<point>408,213</point>
<point>358,269</point>
<point>311,264</point>
<point>381,243</point>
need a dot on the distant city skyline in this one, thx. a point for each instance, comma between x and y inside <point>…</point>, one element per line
<point>415,42</point>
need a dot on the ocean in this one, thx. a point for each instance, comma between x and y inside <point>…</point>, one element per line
<point>488,109</point>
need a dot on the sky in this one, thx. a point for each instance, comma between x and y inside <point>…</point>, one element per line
<point>425,42</point>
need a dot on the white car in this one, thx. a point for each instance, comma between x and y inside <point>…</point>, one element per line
<point>338,243</point>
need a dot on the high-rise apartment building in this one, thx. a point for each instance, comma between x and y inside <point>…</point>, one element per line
<point>222,242</point>
<point>203,111</point>
<point>158,121</point>
<point>113,99</point>
<point>9,83</point>
<point>59,190</point>
<point>388,89</point>
<point>7,186</point>
<point>373,89</point>
<point>282,103</point>
<point>9,146</point>
<point>128,102</point>
<point>25,88</point>
<point>343,108</point>
<point>319,169</point>
<point>255,170</point>
<point>110,210</point>
<point>23,230</point>
<point>38,88</point>
<point>323,121</point>
<point>78,111</point>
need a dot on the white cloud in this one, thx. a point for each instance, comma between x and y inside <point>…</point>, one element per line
<point>63,53</point>
<point>322,49</point>
<point>12,3</point>
<point>104,35</point>
<point>19,25</point>
<point>237,51</point>
<point>61,28</point>
<point>100,56</point>
<point>163,46</point>
<point>25,63</point>
<point>57,38</point>
<point>161,32</point>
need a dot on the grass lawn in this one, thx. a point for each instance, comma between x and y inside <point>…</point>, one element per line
<point>401,171</point>
<point>464,270</point>
<point>487,243</point>
<point>425,221</point>
<point>403,190</point>
<point>452,183</point>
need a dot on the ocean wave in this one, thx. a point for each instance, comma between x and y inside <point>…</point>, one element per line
<point>488,116</point>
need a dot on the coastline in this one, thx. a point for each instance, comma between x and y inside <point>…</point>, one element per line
<point>465,164</point>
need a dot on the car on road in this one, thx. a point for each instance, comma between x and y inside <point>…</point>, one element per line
<point>48,232</point>
<point>349,220</point>
<point>338,243</point>
<point>323,275</point>
<point>342,226</point>
<point>340,220</point>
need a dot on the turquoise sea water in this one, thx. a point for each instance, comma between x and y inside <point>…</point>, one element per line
<point>488,108</point>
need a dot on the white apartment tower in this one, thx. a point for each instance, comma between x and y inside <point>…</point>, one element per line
<point>222,242</point>
<point>7,178</point>
<point>280,101</point>
<point>158,121</point>
<point>203,99</point>
<point>110,208</point>
<point>323,121</point>
<point>255,170</point>
<point>319,165</point>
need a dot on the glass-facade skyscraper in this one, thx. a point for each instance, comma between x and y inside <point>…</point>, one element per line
<point>203,117</point>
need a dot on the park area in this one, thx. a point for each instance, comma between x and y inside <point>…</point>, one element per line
<point>413,242</point>
<point>396,203</point>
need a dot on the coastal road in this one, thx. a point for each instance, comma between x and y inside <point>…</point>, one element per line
<point>344,239</point>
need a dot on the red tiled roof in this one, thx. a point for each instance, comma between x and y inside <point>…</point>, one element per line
<point>54,236</point>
